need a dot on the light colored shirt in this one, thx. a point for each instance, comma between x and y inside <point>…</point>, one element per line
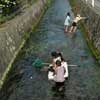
<point>65,65</point>
<point>59,76</point>
<point>55,59</point>
<point>50,75</point>
<point>67,21</point>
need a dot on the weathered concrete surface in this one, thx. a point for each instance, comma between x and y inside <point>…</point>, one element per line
<point>96,6</point>
<point>26,82</point>
<point>14,33</point>
<point>92,25</point>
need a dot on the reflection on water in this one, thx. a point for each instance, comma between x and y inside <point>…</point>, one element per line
<point>25,82</point>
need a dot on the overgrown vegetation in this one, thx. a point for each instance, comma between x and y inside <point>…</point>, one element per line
<point>9,8</point>
<point>95,52</point>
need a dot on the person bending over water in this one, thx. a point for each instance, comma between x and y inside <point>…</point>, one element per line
<point>75,21</point>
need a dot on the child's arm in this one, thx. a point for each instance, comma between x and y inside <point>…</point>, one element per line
<point>83,17</point>
<point>71,21</point>
<point>55,69</point>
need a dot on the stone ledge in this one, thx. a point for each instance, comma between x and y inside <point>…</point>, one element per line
<point>14,34</point>
<point>91,27</point>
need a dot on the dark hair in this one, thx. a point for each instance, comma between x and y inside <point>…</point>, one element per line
<point>68,14</point>
<point>57,54</point>
<point>54,54</point>
<point>58,63</point>
<point>60,55</point>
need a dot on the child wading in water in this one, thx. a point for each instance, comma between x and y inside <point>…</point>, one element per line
<point>67,23</point>
<point>75,21</point>
<point>59,76</point>
<point>52,66</point>
<point>58,56</point>
<point>64,64</point>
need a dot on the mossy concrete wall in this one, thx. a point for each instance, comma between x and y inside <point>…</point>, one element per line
<point>13,35</point>
<point>91,26</point>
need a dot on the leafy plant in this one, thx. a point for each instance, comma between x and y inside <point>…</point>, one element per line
<point>8,6</point>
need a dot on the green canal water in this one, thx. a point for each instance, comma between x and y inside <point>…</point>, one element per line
<point>84,80</point>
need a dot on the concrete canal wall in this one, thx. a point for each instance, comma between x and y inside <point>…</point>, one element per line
<point>92,25</point>
<point>14,33</point>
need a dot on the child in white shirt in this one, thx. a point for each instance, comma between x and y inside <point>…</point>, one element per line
<point>67,22</point>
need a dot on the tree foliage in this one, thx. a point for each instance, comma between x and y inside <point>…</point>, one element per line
<point>8,6</point>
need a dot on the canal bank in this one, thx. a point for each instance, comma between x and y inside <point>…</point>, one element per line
<point>14,33</point>
<point>91,27</point>
<point>33,84</point>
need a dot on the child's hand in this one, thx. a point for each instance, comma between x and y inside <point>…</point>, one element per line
<point>87,18</point>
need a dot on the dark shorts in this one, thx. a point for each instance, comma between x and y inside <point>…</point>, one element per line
<point>59,84</point>
<point>74,24</point>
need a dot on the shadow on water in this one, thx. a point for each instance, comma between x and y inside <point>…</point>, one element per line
<point>25,82</point>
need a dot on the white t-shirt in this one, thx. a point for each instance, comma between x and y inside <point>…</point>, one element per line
<point>50,75</point>
<point>65,65</point>
<point>67,21</point>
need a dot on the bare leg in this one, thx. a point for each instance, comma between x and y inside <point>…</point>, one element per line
<point>74,29</point>
<point>65,29</point>
<point>71,29</point>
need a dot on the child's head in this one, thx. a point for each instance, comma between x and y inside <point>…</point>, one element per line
<point>54,54</point>
<point>61,56</point>
<point>58,63</point>
<point>78,15</point>
<point>68,14</point>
